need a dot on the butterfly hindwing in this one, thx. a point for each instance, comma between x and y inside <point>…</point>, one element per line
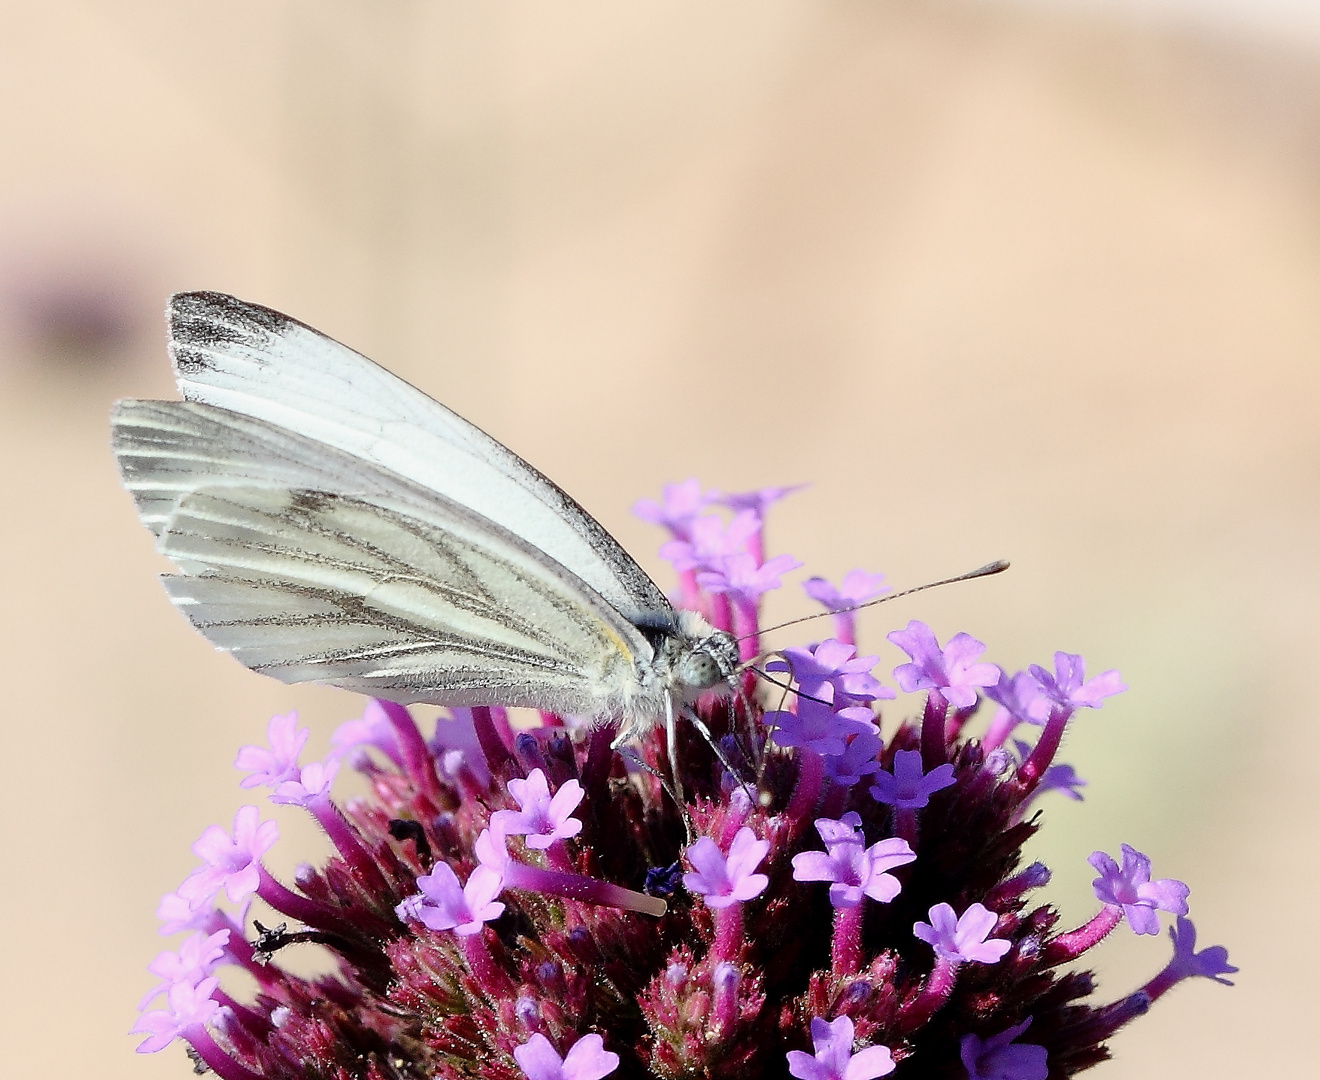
<point>302,584</point>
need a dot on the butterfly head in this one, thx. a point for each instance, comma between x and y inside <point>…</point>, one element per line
<point>707,657</point>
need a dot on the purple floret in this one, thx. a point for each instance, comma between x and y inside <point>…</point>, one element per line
<point>908,787</point>
<point>723,880</point>
<point>962,938</point>
<point>832,1041</point>
<point>833,673</point>
<point>740,577</point>
<point>999,1058</point>
<point>232,862</point>
<point>949,671</point>
<point>819,728</point>
<point>1130,888</point>
<point>678,506</point>
<point>853,869</point>
<point>540,818</point>
<point>587,1059</point>
<point>1066,686</point>
<point>273,764</point>
<point>443,904</point>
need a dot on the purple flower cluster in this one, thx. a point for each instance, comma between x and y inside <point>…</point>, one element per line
<point>526,903</point>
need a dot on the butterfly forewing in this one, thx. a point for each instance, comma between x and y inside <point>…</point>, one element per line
<point>257,362</point>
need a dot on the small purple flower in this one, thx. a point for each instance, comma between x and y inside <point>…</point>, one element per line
<point>833,673</point>
<point>587,1059</point>
<point>443,904</point>
<point>455,746</point>
<point>710,541</point>
<point>679,504</point>
<point>197,957</point>
<point>962,938</point>
<point>373,729</point>
<point>232,863</point>
<point>1063,779</point>
<point>725,880</point>
<point>739,576</point>
<point>950,671</point>
<point>758,501</point>
<point>1066,687</point>
<point>853,869</point>
<point>856,588</point>
<point>189,1005</point>
<point>273,765</point>
<point>177,913</point>
<point>1211,963</point>
<point>999,1058</point>
<point>491,849</point>
<point>819,728</point>
<point>833,1058</point>
<point>861,757</point>
<point>907,787</point>
<point>314,780</point>
<point>1130,888</point>
<point>540,818</point>
<point>1020,700</point>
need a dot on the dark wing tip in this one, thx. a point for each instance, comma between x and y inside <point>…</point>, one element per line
<point>204,322</point>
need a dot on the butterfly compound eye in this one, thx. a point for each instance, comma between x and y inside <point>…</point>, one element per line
<point>699,670</point>
<point>712,660</point>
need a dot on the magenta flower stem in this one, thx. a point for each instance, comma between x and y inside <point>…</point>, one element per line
<point>1110,1018</point>
<point>745,629</point>
<point>689,595</point>
<point>905,825</point>
<point>417,759</point>
<point>811,772</point>
<point>934,752</point>
<point>254,1021</point>
<point>288,902</point>
<point>596,769</point>
<point>494,983</point>
<point>933,995</point>
<point>845,627</point>
<point>1042,755</point>
<point>216,1059</point>
<point>835,797</point>
<point>720,616</point>
<point>1163,982</point>
<point>346,841</point>
<point>499,758</point>
<point>728,933</point>
<point>1001,726</point>
<point>557,856</point>
<point>846,945</point>
<point>500,716</point>
<point>583,889</point>
<point>1069,946</point>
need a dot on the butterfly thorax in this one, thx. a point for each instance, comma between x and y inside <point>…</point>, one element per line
<point>690,657</point>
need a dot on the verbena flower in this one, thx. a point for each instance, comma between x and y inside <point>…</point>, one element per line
<point>529,905</point>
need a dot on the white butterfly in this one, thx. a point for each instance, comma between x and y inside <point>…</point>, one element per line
<point>331,523</point>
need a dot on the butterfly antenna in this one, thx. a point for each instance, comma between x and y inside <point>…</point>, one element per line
<point>997,567</point>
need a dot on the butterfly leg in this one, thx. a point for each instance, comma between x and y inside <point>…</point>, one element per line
<point>671,741</point>
<point>706,734</point>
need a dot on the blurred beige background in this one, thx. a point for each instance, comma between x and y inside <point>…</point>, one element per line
<point>1001,281</point>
